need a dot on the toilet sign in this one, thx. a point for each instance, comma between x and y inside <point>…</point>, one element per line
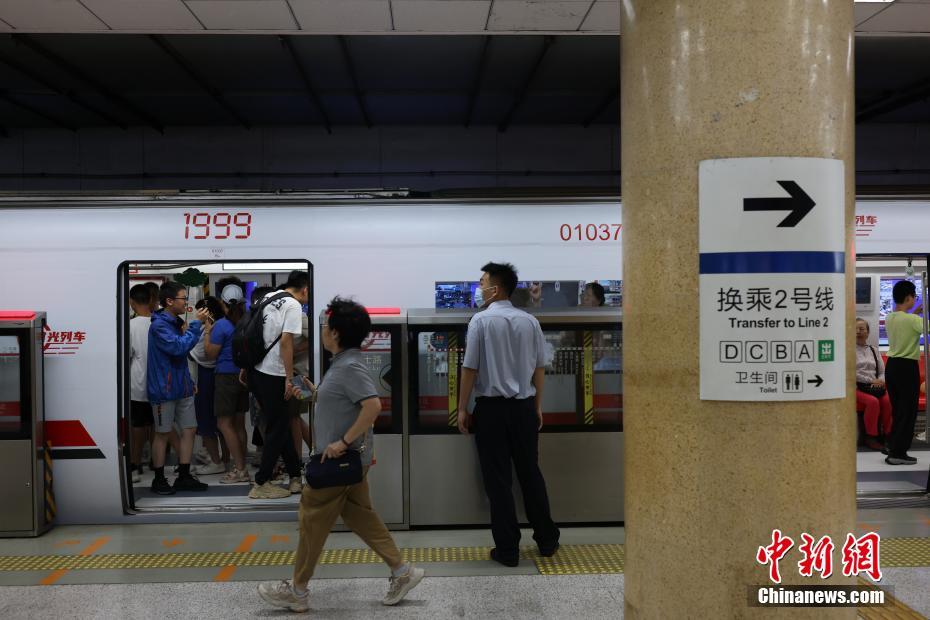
<point>772,279</point>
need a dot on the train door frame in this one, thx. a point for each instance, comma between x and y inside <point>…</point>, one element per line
<point>925,352</point>
<point>123,430</point>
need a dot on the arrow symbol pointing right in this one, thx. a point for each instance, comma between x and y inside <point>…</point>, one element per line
<point>800,204</point>
<point>818,380</point>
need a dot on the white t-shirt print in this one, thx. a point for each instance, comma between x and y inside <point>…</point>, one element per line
<point>280,316</point>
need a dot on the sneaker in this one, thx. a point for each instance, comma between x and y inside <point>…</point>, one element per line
<point>872,443</point>
<point>189,483</point>
<point>160,485</point>
<point>505,561</point>
<point>202,455</point>
<point>268,491</point>
<point>400,586</point>
<point>281,594</point>
<point>136,476</point>
<point>548,552</point>
<point>910,459</point>
<point>235,475</point>
<point>295,486</point>
<point>895,460</point>
<point>210,469</point>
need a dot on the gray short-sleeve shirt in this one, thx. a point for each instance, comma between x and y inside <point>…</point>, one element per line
<point>338,400</point>
<point>505,345</point>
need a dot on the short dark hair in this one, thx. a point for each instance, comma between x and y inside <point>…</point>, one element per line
<point>503,275</point>
<point>169,290</point>
<point>235,312</point>
<point>258,292</point>
<point>297,280</point>
<point>350,320</point>
<point>140,294</point>
<point>902,290</point>
<point>598,291</point>
<point>153,289</point>
<point>213,305</point>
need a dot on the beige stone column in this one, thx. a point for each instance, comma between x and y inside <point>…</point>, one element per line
<point>706,482</point>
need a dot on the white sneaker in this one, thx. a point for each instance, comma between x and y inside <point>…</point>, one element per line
<point>210,468</point>
<point>235,475</point>
<point>202,455</point>
<point>268,491</point>
<point>921,436</point>
<point>281,594</point>
<point>400,586</point>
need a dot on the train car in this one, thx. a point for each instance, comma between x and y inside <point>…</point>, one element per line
<point>74,258</point>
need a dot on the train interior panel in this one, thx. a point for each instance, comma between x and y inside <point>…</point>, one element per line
<point>875,278</point>
<point>231,282</point>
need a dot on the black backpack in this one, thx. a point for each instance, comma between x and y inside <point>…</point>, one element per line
<point>248,340</point>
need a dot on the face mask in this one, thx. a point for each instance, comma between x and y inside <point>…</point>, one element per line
<point>479,296</point>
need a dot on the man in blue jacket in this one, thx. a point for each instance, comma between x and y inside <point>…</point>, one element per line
<point>170,387</point>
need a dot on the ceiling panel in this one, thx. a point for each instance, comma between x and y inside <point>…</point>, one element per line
<point>900,18</point>
<point>144,14</point>
<point>343,16</point>
<point>56,15</point>
<point>604,17</point>
<point>533,15</point>
<point>243,14</point>
<point>440,15</point>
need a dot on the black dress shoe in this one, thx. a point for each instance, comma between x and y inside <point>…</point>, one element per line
<point>505,561</point>
<point>548,552</point>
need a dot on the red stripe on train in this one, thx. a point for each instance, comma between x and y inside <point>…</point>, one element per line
<point>67,434</point>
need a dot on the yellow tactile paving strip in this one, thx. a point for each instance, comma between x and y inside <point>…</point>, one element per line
<point>570,560</point>
<point>892,610</point>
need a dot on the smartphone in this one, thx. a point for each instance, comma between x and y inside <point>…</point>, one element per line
<point>305,392</point>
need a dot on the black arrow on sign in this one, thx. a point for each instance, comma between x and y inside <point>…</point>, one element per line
<point>817,379</point>
<point>800,204</point>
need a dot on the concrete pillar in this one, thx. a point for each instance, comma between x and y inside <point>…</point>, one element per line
<point>706,482</point>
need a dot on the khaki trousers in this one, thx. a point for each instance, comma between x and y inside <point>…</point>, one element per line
<point>319,509</point>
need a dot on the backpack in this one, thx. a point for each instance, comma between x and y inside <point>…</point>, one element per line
<point>248,341</point>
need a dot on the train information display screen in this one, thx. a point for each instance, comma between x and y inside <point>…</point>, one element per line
<point>886,302</point>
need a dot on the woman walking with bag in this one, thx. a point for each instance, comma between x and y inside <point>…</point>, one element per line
<point>871,393</point>
<point>346,405</point>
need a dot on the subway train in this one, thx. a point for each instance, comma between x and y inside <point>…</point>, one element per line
<point>74,257</point>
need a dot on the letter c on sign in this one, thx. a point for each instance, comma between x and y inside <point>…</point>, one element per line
<point>754,352</point>
<point>761,593</point>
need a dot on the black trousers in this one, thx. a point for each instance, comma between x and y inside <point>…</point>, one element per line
<point>506,430</point>
<point>278,439</point>
<point>903,378</point>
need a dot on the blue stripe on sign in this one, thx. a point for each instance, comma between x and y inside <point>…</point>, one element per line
<point>773,262</point>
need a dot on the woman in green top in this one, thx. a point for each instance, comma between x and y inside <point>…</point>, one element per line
<point>902,373</point>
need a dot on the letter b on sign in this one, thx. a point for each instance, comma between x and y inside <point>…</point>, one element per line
<point>781,351</point>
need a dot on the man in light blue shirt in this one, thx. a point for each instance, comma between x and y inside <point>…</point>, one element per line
<point>505,365</point>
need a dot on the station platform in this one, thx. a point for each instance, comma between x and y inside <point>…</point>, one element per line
<point>205,570</point>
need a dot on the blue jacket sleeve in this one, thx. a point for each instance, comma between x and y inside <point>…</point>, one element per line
<point>171,343</point>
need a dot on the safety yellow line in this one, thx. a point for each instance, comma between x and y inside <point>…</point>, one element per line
<point>61,572</point>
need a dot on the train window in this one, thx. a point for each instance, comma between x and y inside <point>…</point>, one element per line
<point>583,388</point>
<point>232,284</point>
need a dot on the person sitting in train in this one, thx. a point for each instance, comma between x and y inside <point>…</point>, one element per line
<point>871,392</point>
<point>593,295</point>
<point>505,363</point>
<point>170,386</point>
<point>902,373</point>
<point>345,410</point>
<point>231,398</point>
<point>213,461</point>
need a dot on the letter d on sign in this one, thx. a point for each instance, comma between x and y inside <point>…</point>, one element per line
<point>731,352</point>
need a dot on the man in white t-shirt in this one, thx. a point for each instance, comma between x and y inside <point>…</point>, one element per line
<point>270,381</point>
<point>140,412</point>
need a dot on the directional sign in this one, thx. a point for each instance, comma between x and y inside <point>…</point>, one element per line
<point>772,285</point>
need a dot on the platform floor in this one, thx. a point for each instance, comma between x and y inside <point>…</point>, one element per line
<point>204,571</point>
